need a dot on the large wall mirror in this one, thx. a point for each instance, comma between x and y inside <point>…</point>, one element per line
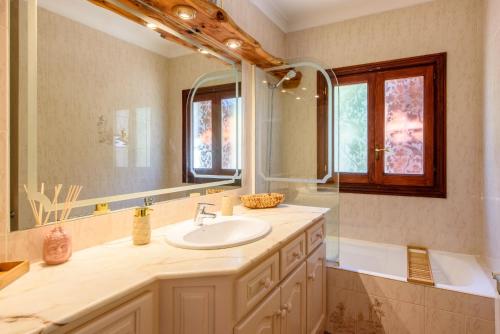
<point>100,101</point>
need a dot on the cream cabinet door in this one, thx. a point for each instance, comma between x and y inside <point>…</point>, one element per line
<point>265,319</point>
<point>316,291</point>
<point>134,317</point>
<point>293,302</point>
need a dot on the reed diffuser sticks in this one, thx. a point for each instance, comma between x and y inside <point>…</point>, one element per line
<point>39,211</point>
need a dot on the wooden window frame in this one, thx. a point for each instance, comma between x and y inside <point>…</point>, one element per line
<point>433,183</point>
<point>216,94</point>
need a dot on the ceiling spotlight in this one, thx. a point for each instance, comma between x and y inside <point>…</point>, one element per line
<point>316,96</point>
<point>283,91</point>
<point>297,98</point>
<point>233,43</point>
<point>264,82</point>
<point>304,88</point>
<point>204,51</point>
<point>184,12</point>
<point>151,26</point>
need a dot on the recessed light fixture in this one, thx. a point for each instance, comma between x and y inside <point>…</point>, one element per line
<point>204,51</point>
<point>264,82</point>
<point>304,88</point>
<point>283,91</point>
<point>151,26</point>
<point>316,96</point>
<point>233,43</point>
<point>297,98</point>
<point>184,12</point>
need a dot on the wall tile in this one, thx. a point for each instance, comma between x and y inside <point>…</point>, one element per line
<point>443,322</point>
<point>479,326</point>
<point>388,288</point>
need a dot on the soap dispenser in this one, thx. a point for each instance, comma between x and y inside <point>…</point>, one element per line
<point>141,234</point>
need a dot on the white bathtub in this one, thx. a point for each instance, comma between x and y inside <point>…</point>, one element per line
<point>452,271</point>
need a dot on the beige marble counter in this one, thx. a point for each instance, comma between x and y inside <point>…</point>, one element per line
<point>48,297</point>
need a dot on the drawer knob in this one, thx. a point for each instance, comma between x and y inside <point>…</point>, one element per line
<point>281,313</point>
<point>266,283</point>
<point>296,255</point>
<point>288,307</point>
<point>312,276</point>
<point>319,235</point>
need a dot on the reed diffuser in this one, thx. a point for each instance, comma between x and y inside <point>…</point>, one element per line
<point>57,246</point>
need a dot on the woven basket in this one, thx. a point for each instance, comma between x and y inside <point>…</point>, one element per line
<point>262,201</point>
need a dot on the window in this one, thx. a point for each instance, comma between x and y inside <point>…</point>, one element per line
<point>216,127</point>
<point>391,127</point>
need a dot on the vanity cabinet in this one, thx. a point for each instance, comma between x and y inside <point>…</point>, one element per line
<point>265,319</point>
<point>133,317</point>
<point>316,290</point>
<point>294,302</point>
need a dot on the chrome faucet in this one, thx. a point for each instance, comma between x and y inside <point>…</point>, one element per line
<point>201,213</point>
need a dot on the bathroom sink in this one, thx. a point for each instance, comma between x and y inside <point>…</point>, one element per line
<point>222,232</point>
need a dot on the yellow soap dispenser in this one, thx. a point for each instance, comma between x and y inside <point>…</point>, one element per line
<point>141,233</point>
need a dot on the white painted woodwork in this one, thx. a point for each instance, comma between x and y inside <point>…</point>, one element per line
<point>316,291</point>
<point>196,306</point>
<point>252,287</point>
<point>133,317</point>
<point>292,255</point>
<point>315,235</point>
<point>294,303</point>
<point>265,319</point>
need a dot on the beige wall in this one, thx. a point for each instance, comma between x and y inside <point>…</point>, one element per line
<point>454,26</point>
<point>492,134</point>
<point>251,19</point>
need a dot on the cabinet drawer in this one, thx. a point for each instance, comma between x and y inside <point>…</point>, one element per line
<point>253,286</point>
<point>292,254</point>
<point>315,235</point>
<point>134,317</point>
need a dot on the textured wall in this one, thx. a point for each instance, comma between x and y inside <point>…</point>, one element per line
<point>454,26</point>
<point>259,26</point>
<point>492,134</point>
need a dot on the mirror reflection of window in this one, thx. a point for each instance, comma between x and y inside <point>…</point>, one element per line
<point>216,129</point>
<point>231,133</point>
<point>202,128</point>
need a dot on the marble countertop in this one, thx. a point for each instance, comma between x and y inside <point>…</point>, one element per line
<point>50,296</point>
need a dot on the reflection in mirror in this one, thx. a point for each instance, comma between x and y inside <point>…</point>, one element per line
<point>103,102</point>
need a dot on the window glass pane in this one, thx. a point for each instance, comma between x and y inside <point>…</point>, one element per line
<point>231,131</point>
<point>351,139</point>
<point>404,126</point>
<point>202,134</point>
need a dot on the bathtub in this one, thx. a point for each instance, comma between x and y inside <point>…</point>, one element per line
<point>452,271</point>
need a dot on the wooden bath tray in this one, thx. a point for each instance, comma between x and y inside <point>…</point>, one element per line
<point>10,271</point>
<point>419,266</point>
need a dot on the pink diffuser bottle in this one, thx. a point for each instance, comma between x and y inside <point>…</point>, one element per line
<point>57,246</point>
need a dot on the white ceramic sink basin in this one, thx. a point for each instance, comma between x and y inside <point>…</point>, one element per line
<point>222,232</point>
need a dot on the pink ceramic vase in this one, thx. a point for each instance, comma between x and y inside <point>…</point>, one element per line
<point>57,246</point>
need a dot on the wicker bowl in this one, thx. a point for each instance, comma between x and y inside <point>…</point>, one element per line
<point>262,201</point>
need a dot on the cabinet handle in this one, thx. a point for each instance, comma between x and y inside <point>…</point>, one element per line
<point>296,255</point>
<point>266,283</point>
<point>312,276</point>
<point>280,313</point>
<point>319,235</point>
<point>288,307</point>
